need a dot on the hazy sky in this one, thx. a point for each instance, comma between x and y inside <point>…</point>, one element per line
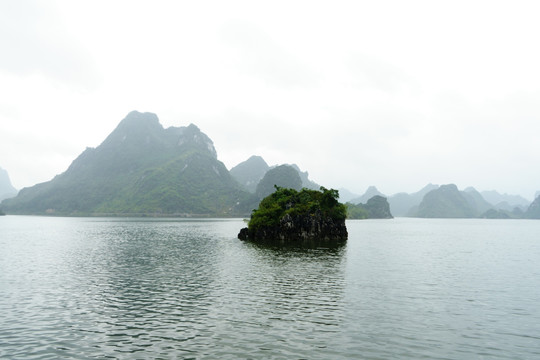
<point>394,94</point>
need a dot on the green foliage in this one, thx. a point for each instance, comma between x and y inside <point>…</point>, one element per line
<point>377,207</point>
<point>140,168</point>
<point>356,211</point>
<point>290,201</point>
<point>186,184</point>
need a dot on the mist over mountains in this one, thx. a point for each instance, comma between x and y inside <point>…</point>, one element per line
<point>6,188</point>
<point>142,168</point>
<point>250,172</point>
<point>447,201</point>
<point>403,204</point>
<point>370,192</point>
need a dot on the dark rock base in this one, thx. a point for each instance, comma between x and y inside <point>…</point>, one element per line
<point>306,228</point>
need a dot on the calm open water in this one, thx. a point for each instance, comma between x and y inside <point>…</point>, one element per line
<point>88,288</point>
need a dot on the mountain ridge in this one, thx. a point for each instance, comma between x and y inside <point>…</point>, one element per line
<point>249,172</point>
<point>445,202</point>
<point>140,167</point>
<point>370,192</point>
<point>143,168</point>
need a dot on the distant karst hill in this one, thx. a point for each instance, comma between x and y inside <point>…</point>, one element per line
<point>375,208</point>
<point>283,176</point>
<point>533,212</point>
<point>403,204</point>
<point>446,202</point>
<point>6,189</point>
<point>476,200</point>
<point>140,168</point>
<point>252,171</point>
<point>370,192</point>
<point>505,201</point>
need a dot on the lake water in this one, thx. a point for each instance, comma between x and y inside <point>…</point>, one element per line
<point>88,288</point>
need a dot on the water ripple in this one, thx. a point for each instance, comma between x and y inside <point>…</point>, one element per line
<point>168,289</point>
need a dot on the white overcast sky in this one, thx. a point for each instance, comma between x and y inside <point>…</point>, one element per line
<point>395,94</point>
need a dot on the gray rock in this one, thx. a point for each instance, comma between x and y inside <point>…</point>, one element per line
<point>300,229</point>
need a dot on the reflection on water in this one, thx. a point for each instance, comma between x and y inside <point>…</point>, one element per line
<point>134,288</point>
<point>156,286</point>
<point>279,302</point>
<point>124,288</point>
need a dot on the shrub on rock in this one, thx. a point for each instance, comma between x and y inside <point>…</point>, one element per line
<point>288,215</point>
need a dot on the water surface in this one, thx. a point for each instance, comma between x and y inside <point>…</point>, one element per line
<point>170,288</point>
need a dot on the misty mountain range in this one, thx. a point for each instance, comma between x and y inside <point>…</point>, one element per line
<point>446,201</point>
<point>250,172</point>
<point>143,169</point>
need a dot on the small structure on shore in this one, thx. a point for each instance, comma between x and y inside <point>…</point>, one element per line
<point>289,216</point>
